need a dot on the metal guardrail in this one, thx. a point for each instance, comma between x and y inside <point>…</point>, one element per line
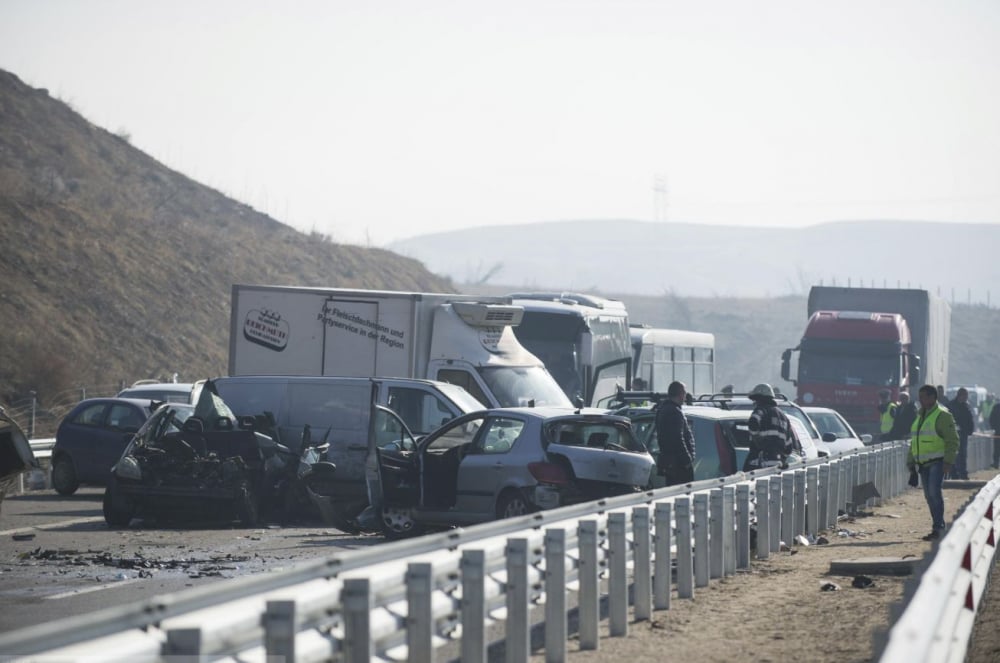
<point>405,600</point>
<point>938,621</point>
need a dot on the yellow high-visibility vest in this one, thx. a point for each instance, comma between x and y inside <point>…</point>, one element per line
<point>925,443</point>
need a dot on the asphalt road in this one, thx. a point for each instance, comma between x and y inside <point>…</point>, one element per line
<point>59,559</point>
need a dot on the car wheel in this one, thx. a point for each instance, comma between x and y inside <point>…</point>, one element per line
<point>512,504</point>
<point>246,505</point>
<point>116,514</point>
<point>399,523</point>
<point>64,476</point>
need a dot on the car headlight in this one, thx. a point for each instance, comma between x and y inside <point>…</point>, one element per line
<point>128,468</point>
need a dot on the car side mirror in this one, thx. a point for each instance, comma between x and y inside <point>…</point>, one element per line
<point>866,438</point>
<point>578,402</point>
<point>829,437</point>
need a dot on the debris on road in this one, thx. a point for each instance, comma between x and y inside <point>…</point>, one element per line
<point>862,582</point>
<point>829,587</point>
<point>199,566</point>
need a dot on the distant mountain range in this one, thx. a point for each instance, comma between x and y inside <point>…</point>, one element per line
<point>687,259</point>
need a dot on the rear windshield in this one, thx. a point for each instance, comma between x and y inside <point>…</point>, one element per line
<point>593,434</point>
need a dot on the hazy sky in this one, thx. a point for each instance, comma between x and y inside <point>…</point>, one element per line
<point>377,120</point>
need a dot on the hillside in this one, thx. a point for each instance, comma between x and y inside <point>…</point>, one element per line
<point>717,261</point>
<point>117,268</point>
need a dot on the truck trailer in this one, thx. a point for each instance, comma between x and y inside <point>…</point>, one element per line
<point>460,339</point>
<point>859,341</point>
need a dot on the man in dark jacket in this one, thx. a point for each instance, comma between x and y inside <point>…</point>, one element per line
<point>966,423</point>
<point>771,436</point>
<point>675,462</point>
<point>906,413</point>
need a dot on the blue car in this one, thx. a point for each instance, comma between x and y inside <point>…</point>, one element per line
<point>92,437</point>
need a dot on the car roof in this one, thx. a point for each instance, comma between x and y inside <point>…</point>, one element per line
<point>554,412</point>
<point>160,386</point>
<point>715,413</point>
<point>815,408</point>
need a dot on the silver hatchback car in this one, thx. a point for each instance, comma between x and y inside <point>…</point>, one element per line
<point>503,462</point>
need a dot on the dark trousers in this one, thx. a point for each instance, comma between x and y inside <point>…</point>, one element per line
<point>675,475</point>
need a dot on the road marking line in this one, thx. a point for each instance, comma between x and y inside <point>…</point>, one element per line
<point>87,590</point>
<point>61,523</point>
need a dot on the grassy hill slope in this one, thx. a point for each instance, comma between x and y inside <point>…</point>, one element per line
<point>116,268</point>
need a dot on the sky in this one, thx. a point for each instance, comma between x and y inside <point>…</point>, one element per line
<point>376,120</point>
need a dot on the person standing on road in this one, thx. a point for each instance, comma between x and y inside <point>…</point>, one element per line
<point>986,409</point>
<point>906,412</point>
<point>965,420</point>
<point>771,437</point>
<point>675,462</point>
<point>995,425</point>
<point>886,411</point>
<point>933,447</point>
<point>942,396</point>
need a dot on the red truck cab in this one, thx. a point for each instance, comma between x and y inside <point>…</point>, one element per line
<point>847,357</point>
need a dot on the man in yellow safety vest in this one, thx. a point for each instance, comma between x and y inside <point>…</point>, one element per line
<point>886,410</point>
<point>933,447</point>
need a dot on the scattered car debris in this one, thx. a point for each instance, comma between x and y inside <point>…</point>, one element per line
<point>822,541</point>
<point>802,540</point>
<point>213,566</point>
<point>862,582</point>
<point>829,587</point>
<point>23,536</point>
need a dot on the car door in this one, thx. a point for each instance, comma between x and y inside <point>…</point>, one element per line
<point>420,408</point>
<point>489,462</point>
<point>395,453</point>
<point>80,436</point>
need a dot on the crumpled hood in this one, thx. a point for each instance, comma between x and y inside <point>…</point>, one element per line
<point>633,469</point>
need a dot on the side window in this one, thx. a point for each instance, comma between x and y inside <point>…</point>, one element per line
<point>500,435</point>
<point>706,444</point>
<point>92,415</point>
<point>457,434</point>
<point>421,410</point>
<point>389,432</point>
<point>465,380</point>
<point>124,418</point>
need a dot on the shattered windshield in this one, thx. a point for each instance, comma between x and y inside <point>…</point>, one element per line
<point>168,419</point>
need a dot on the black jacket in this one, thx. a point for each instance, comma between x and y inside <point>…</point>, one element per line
<point>963,417</point>
<point>902,424</point>
<point>995,418</point>
<point>673,436</point>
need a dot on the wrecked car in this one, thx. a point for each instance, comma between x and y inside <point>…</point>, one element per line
<point>501,463</point>
<point>16,456</point>
<point>201,460</point>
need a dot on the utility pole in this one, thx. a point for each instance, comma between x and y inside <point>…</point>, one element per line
<point>659,198</point>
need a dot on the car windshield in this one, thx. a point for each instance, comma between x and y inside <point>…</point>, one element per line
<point>166,419</point>
<point>593,434</point>
<point>462,398</point>
<point>516,386</point>
<point>829,422</point>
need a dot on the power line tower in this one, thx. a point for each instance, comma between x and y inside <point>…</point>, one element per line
<point>659,198</point>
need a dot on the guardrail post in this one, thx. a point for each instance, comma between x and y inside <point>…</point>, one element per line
<point>356,598</point>
<point>774,514</point>
<point>788,508</point>
<point>823,517</point>
<point>743,526</point>
<point>618,585</point>
<point>716,547</point>
<point>664,566</point>
<point>589,597</point>
<point>800,502</point>
<point>642,563</point>
<point>556,628</point>
<point>279,630</point>
<point>729,530</point>
<point>473,567</point>
<point>812,500</point>
<point>763,511</point>
<point>518,645</point>
<point>419,617</point>
<point>186,643</point>
<point>685,567</point>
<point>834,494</point>
<point>701,542</point>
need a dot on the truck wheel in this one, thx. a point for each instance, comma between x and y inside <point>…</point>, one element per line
<point>116,514</point>
<point>512,504</point>
<point>246,505</point>
<point>399,523</point>
<point>64,476</point>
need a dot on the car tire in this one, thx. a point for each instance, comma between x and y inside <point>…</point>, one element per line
<point>399,523</point>
<point>512,504</point>
<point>246,505</point>
<point>64,476</point>
<point>116,514</point>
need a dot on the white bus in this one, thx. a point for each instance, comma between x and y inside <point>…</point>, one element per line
<point>661,356</point>
<point>583,341</point>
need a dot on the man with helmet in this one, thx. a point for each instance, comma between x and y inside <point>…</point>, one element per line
<point>771,436</point>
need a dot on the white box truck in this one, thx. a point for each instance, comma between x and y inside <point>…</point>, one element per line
<point>461,339</point>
